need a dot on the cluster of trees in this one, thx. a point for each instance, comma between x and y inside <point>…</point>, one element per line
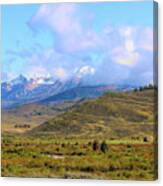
<point>22,126</point>
<point>146,87</point>
<point>103,147</point>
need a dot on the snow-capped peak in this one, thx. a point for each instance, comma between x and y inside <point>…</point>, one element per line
<point>44,80</point>
<point>19,80</point>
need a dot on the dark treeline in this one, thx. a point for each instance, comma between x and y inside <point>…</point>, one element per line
<point>146,87</point>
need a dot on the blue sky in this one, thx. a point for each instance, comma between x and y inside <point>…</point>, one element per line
<point>102,43</point>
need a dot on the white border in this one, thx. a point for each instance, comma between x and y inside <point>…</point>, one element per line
<point>61,182</point>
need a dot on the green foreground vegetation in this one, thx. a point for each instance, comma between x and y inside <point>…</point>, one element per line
<point>111,137</point>
<point>77,158</point>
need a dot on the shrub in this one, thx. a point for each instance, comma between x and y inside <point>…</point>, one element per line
<point>87,169</point>
<point>129,146</point>
<point>95,146</point>
<point>38,113</point>
<point>141,89</point>
<point>104,147</point>
<point>112,168</point>
<point>63,145</point>
<point>57,149</point>
<point>34,156</point>
<point>145,139</point>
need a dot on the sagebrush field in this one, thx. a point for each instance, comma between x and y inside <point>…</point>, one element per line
<point>110,137</point>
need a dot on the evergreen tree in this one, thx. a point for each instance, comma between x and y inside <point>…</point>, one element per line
<point>95,145</point>
<point>104,147</point>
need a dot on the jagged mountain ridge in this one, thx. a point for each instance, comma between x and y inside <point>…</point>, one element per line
<point>21,90</point>
<point>82,92</point>
<point>47,89</point>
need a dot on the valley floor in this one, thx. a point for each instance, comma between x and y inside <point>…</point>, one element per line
<point>111,137</point>
<point>75,158</point>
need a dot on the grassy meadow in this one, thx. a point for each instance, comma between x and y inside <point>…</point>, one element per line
<point>110,137</point>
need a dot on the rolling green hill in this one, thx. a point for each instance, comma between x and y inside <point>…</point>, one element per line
<point>113,115</point>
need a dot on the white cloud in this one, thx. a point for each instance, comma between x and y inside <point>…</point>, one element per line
<point>128,60</point>
<point>125,55</point>
<point>85,70</point>
<point>36,71</point>
<point>61,18</point>
<point>67,24</point>
<point>119,50</point>
<point>145,41</point>
<point>129,45</point>
<point>116,46</point>
<point>134,41</point>
<point>60,73</point>
<point>127,32</point>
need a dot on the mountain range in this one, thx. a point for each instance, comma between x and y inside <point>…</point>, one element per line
<point>21,90</point>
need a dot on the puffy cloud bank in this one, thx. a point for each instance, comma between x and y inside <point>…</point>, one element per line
<point>104,55</point>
